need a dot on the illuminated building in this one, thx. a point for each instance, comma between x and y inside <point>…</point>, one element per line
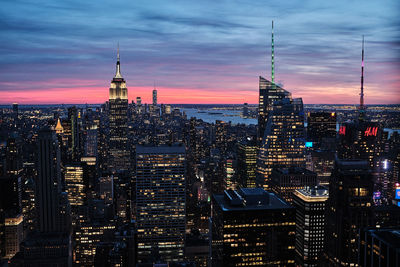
<point>74,185</point>
<point>283,145</point>
<point>322,162</point>
<point>106,189</point>
<point>167,109</point>
<point>284,181</point>
<point>119,153</point>
<point>349,209</point>
<point>380,247</point>
<point>321,130</point>
<point>251,226</point>
<point>91,139</point>
<point>13,156</point>
<point>87,236</point>
<point>220,136</point>
<point>14,232</point>
<point>76,190</point>
<point>89,168</point>
<point>310,224</point>
<point>269,92</point>
<point>154,97</point>
<point>230,174</point>
<point>160,202</point>
<point>59,129</point>
<point>247,163</point>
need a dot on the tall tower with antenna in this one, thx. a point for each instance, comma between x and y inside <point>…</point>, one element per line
<point>362,107</point>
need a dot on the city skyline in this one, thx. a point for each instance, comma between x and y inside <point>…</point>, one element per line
<point>198,53</point>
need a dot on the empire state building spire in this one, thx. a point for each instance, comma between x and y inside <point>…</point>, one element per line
<point>118,70</point>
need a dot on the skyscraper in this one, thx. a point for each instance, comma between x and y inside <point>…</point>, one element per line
<point>51,244</point>
<point>283,145</point>
<point>154,97</point>
<point>269,92</point>
<point>247,163</point>
<point>251,226</point>
<point>310,224</point>
<point>119,153</point>
<point>349,209</point>
<point>160,202</point>
<point>48,184</point>
<point>321,129</point>
<point>75,141</point>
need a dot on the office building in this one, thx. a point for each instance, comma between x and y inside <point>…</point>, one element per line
<point>321,130</point>
<point>160,202</point>
<point>380,247</point>
<point>310,224</point>
<point>154,97</point>
<point>284,181</point>
<point>75,138</point>
<point>87,235</point>
<point>48,183</point>
<point>283,145</point>
<point>14,233</point>
<point>251,226</point>
<point>349,209</point>
<point>247,163</point>
<point>119,153</point>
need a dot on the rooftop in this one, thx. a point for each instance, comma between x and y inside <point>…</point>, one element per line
<point>389,236</point>
<point>173,149</point>
<point>249,199</point>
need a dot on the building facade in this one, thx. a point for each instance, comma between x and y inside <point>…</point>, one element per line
<point>160,202</point>
<point>251,226</point>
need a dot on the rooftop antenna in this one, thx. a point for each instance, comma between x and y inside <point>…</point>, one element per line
<point>362,107</point>
<point>272,56</point>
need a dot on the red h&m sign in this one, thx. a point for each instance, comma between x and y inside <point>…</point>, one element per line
<point>371,131</point>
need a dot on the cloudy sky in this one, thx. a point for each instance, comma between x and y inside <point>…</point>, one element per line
<point>205,51</point>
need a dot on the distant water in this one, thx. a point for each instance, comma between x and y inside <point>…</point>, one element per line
<point>211,115</point>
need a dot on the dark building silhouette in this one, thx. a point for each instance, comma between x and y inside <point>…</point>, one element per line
<point>284,181</point>
<point>348,209</point>
<point>380,247</point>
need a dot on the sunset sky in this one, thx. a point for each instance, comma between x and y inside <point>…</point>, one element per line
<point>198,51</point>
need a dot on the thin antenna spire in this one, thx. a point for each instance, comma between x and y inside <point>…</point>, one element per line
<point>362,108</point>
<point>118,66</point>
<point>272,56</point>
<point>118,52</point>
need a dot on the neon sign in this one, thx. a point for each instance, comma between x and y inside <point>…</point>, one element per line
<point>371,131</point>
<point>342,130</point>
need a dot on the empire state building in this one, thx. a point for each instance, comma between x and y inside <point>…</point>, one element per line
<point>119,154</point>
